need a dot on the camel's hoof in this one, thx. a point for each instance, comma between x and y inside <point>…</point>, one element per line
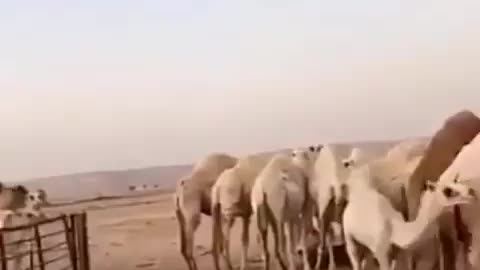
<point>332,267</point>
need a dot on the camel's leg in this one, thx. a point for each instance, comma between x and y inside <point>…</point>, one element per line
<point>278,242</point>
<point>227,226</point>
<point>245,241</point>
<point>293,233</point>
<point>383,259</point>
<point>263,230</point>
<point>305,228</point>
<point>352,251</point>
<point>322,243</point>
<point>448,247</point>
<point>195,222</point>
<point>187,228</point>
<point>368,262</point>
<point>331,262</point>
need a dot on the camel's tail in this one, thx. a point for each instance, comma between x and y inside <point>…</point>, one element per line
<point>217,234</point>
<point>404,202</point>
<point>261,214</point>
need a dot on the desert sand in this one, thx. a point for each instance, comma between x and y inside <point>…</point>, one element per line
<point>141,233</point>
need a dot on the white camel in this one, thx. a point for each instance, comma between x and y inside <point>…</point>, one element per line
<point>279,200</point>
<point>389,172</point>
<point>231,199</point>
<point>16,241</point>
<point>466,165</point>
<point>386,227</point>
<point>192,198</point>
<point>327,189</point>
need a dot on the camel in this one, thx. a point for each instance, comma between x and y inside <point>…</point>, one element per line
<point>279,200</point>
<point>13,197</point>
<point>466,165</point>
<point>327,189</point>
<point>31,213</point>
<point>231,199</point>
<point>457,130</point>
<point>388,173</point>
<point>387,228</point>
<point>192,198</point>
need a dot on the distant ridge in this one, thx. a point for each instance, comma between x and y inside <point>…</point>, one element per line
<point>81,186</point>
<point>106,183</point>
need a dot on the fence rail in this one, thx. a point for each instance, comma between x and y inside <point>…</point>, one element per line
<point>28,241</point>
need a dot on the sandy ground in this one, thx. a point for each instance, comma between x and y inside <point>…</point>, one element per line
<point>141,233</point>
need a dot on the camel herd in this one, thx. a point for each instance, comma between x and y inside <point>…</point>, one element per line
<point>411,208</point>
<point>18,206</point>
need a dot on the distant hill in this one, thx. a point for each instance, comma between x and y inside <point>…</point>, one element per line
<point>91,184</point>
<point>110,183</point>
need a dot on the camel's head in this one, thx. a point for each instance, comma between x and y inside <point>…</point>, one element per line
<point>452,193</point>
<point>13,197</point>
<point>36,199</point>
<point>357,158</point>
<point>305,157</point>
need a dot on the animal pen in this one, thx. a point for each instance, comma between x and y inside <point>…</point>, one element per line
<point>59,243</point>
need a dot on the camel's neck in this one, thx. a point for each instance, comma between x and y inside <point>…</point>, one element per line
<point>406,234</point>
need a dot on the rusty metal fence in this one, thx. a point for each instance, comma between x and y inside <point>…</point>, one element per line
<point>59,243</point>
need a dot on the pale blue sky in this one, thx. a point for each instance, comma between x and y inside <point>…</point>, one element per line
<point>92,85</point>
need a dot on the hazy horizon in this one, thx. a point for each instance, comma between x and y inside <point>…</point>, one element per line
<point>92,85</point>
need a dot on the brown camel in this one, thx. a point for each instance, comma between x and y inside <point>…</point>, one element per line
<point>12,198</point>
<point>457,131</point>
<point>193,197</point>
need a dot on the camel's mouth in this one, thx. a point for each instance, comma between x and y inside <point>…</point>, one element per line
<point>467,199</point>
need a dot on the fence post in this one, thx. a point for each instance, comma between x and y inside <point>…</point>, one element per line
<point>70,237</point>
<point>82,241</point>
<point>32,262</point>
<point>2,252</point>
<point>38,240</point>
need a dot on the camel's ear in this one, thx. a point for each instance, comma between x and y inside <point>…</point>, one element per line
<point>429,185</point>
<point>22,189</point>
<point>311,148</point>
<point>319,147</point>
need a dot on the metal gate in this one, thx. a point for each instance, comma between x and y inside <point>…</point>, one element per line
<point>35,242</point>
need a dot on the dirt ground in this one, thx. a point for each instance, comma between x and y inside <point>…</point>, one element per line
<point>141,233</point>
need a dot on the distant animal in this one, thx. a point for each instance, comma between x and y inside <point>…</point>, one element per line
<point>193,197</point>
<point>231,199</point>
<point>279,200</point>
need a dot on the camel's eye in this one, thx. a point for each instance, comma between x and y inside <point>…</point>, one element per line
<point>448,192</point>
